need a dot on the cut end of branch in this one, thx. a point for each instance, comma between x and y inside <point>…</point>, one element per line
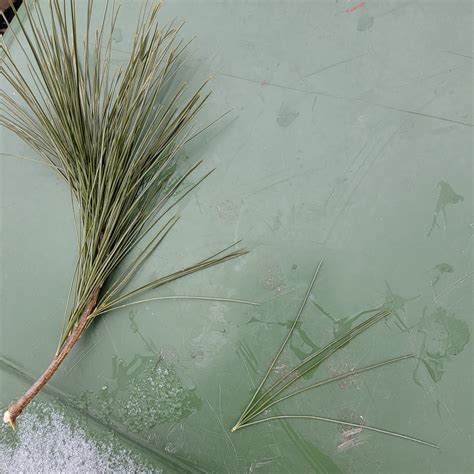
<point>7,418</point>
<point>235,428</point>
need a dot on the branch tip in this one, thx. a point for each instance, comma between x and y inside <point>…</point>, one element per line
<point>7,418</point>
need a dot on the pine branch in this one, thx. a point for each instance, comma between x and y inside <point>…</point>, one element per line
<point>115,135</point>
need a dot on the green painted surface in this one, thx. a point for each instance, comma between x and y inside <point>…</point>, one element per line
<point>350,139</point>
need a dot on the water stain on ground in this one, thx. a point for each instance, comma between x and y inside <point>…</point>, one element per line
<point>273,277</point>
<point>286,115</point>
<point>142,392</point>
<point>342,325</point>
<point>117,35</point>
<point>228,211</point>
<point>444,337</point>
<point>447,197</point>
<point>206,346</point>
<point>365,23</point>
<point>397,305</point>
<point>392,302</point>
<point>302,348</point>
<point>315,458</point>
<point>276,222</point>
<point>438,271</point>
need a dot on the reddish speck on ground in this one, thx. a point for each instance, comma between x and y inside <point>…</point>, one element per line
<point>354,7</point>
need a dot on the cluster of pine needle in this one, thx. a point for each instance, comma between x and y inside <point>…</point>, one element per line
<point>115,135</point>
<point>258,409</point>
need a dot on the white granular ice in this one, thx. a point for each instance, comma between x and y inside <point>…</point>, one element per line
<point>47,442</point>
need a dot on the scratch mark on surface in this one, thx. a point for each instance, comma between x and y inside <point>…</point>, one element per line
<point>84,354</point>
<point>372,161</point>
<point>282,292</point>
<point>458,54</point>
<point>330,196</point>
<point>110,335</point>
<point>412,112</point>
<point>330,66</point>
<point>312,109</point>
<point>262,463</point>
<point>288,178</point>
<point>274,184</point>
<point>267,83</point>
<point>348,98</point>
<point>393,10</point>
<point>198,203</point>
<point>347,170</point>
<point>219,419</point>
<point>430,385</point>
<point>454,285</point>
<point>352,192</point>
<point>244,354</point>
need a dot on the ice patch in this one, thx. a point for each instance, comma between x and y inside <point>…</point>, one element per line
<point>48,441</point>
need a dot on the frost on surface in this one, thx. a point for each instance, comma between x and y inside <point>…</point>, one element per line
<point>156,396</point>
<point>47,440</point>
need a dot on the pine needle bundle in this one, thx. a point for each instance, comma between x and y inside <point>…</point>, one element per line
<point>264,398</point>
<point>115,137</point>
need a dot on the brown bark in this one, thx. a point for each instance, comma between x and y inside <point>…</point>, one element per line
<point>16,408</point>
